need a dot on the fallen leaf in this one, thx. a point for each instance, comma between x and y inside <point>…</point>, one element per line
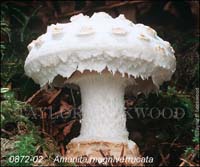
<point>67,129</point>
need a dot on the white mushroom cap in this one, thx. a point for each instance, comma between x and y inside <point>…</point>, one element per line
<point>99,42</point>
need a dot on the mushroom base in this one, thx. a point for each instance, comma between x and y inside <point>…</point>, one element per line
<point>103,153</point>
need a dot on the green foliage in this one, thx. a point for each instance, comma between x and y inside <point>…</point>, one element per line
<point>196,136</point>
<point>28,150</point>
<point>24,147</point>
<point>186,46</point>
<point>16,36</point>
<point>24,151</point>
<point>11,109</point>
<point>174,111</point>
<point>191,149</point>
<point>28,142</point>
<point>170,133</point>
<point>5,30</point>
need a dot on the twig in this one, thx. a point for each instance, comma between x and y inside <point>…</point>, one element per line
<point>103,155</point>
<point>46,134</point>
<point>33,96</point>
<point>60,112</point>
<point>54,96</point>
<point>188,162</point>
<point>6,132</point>
<point>50,121</point>
<point>62,149</point>
<point>101,8</point>
<point>175,144</point>
<point>122,152</point>
<point>42,118</point>
<point>73,99</point>
<point>163,158</point>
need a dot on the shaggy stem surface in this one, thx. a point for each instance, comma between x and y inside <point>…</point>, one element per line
<point>103,115</point>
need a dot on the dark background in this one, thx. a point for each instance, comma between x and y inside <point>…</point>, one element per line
<point>168,141</point>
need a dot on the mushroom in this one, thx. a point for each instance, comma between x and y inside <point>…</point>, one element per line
<point>106,57</point>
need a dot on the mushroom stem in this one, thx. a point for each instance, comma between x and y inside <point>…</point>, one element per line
<point>103,116</point>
